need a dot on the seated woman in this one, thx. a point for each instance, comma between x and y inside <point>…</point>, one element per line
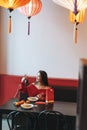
<point>38,88</point>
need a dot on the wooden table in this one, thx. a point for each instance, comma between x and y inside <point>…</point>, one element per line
<point>67,108</point>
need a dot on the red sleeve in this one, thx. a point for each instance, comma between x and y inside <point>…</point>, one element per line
<point>32,90</point>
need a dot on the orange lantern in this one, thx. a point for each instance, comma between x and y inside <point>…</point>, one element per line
<point>77,12</point>
<point>11,5</point>
<point>31,9</point>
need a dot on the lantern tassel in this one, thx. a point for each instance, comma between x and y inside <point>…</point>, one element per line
<point>9,24</point>
<point>75,32</point>
<point>76,35</point>
<point>28,27</point>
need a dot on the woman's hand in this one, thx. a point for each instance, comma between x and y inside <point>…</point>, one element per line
<point>41,96</point>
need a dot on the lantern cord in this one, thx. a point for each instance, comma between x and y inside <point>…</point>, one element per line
<point>9,24</point>
<point>75,32</point>
<point>28,27</point>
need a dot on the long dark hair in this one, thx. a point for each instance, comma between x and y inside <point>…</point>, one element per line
<point>44,77</point>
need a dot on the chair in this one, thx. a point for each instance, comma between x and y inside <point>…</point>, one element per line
<point>21,121</point>
<point>51,120</point>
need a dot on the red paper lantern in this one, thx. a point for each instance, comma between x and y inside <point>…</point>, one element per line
<point>11,5</point>
<point>31,9</point>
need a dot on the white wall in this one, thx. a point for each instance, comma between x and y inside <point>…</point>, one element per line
<point>49,47</point>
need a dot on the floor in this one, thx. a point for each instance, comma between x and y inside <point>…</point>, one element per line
<point>4,124</point>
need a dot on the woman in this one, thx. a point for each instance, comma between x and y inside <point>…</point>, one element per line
<point>38,88</point>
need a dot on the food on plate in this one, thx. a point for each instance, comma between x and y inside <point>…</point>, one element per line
<point>19,103</point>
<point>27,101</point>
<point>27,106</point>
<point>33,99</point>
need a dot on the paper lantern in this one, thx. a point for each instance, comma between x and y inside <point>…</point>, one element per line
<point>77,19</point>
<point>11,5</point>
<point>77,11</point>
<point>31,9</point>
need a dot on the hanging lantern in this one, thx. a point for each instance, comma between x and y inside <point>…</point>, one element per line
<point>11,5</point>
<point>31,9</point>
<point>76,19</point>
<point>77,11</point>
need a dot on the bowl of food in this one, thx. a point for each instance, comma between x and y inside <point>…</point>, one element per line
<point>32,99</point>
<point>27,106</point>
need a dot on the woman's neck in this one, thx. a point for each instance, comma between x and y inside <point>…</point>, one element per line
<point>39,85</point>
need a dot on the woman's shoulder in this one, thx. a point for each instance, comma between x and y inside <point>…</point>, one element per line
<point>47,87</point>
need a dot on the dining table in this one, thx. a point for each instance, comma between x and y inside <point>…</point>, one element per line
<point>66,108</point>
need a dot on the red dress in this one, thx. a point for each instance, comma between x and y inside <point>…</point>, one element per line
<point>32,90</point>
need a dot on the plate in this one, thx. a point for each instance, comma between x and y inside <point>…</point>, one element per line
<point>27,106</point>
<point>33,99</point>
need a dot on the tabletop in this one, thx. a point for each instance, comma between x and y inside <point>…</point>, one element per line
<point>67,108</point>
